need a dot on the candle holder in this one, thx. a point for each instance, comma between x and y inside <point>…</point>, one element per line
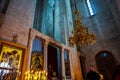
<point>36,75</point>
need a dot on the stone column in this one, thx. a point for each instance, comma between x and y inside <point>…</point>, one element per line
<point>30,43</point>
<point>45,54</point>
<point>27,55</point>
<point>63,65</point>
<point>71,65</point>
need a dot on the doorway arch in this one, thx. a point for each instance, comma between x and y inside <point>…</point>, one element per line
<point>106,64</point>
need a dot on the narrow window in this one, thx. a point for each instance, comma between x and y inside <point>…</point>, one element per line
<point>67,64</point>
<point>38,15</point>
<point>90,7</point>
<point>0,1</point>
<point>4,5</point>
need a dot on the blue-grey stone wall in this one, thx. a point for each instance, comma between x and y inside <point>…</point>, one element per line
<point>105,23</point>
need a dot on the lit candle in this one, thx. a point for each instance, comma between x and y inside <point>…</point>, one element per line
<point>35,78</point>
<point>29,76</point>
<point>46,74</point>
<point>39,75</point>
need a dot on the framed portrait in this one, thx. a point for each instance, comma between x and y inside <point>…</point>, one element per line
<point>36,61</point>
<point>11,59</point>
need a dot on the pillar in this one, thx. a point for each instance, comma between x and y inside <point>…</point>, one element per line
<point>63,65</point>
<point>45,54</point>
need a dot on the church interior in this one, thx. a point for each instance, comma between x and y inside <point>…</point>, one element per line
<point>59,39</point>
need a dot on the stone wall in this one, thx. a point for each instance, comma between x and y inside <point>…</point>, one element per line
<point>18,19</point>
<point>1,19</point>
<point>118,3</point>
<point>105,24</point>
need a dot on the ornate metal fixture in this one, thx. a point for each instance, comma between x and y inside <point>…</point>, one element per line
<point>81,35</point>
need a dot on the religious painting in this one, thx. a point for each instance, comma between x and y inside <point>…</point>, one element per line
<point>36,61</point>
<point>10,61</point>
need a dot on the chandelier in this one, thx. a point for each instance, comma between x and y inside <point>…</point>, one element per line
<point>81,35</point>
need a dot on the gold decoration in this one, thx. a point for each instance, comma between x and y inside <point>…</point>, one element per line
<point>36,75</point>
<point>81,35</point>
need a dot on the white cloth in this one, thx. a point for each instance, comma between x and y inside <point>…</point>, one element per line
<point>4,65</point>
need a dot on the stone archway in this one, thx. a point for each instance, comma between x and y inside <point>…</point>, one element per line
<point>106,64</point>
